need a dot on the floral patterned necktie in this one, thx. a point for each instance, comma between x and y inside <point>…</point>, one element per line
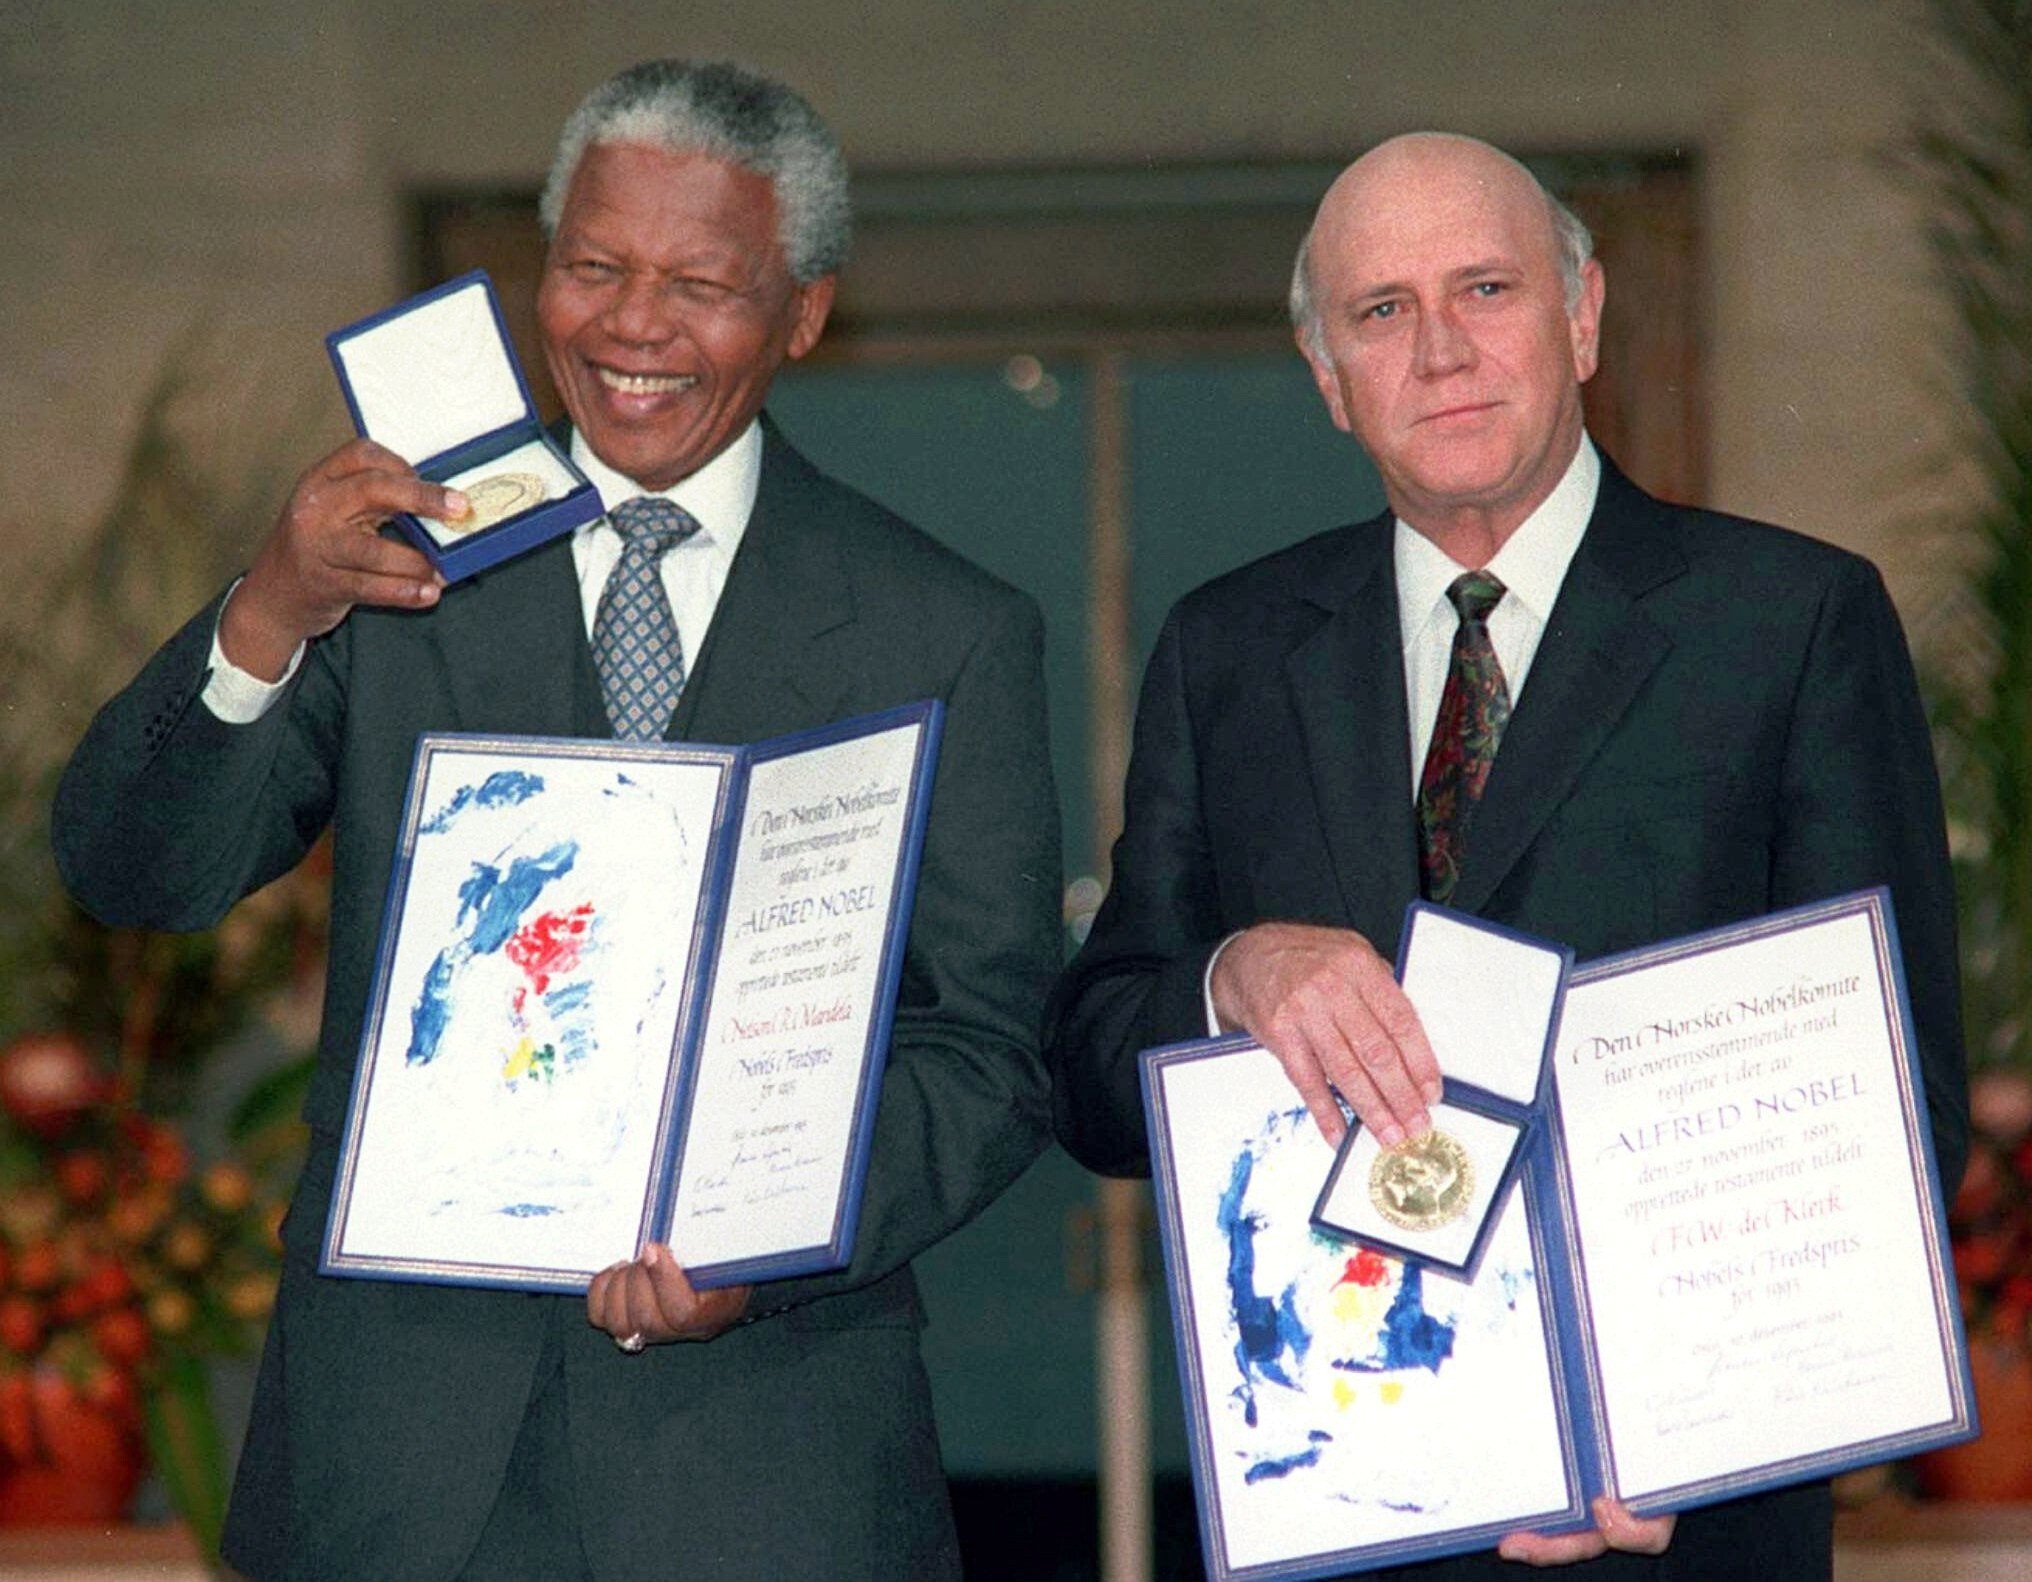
<point>1473,710</point>
<point>635,640</point>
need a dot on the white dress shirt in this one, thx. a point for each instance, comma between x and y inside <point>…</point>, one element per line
<point>720,496</point>
<point>1531,565</point>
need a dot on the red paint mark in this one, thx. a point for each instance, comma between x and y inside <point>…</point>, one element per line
<point>550,944</point>
<point>1365,1268</point>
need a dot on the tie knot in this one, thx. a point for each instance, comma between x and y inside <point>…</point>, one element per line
<point>1474,593</point>
<point>649,524</point>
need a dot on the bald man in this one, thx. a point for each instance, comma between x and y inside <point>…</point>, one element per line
<point>1678,720</point>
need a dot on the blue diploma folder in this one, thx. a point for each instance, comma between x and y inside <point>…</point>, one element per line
<point>1721,1269</point>
<point>630,993</point>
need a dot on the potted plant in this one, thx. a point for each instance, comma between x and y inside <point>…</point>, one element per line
<point>1973,155</point>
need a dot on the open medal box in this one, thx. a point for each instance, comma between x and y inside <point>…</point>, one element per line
<point>435,379</point>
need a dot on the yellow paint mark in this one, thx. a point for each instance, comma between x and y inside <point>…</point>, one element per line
<point>1343,1394</point>
<point>519,1063</point>
<point>1392,1391</point>
<point>1360,1307</point>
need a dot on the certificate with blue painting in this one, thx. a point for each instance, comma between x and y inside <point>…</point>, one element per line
<point>632,993</point>
<point>1721,1268</point>
<point>1345,1409</point>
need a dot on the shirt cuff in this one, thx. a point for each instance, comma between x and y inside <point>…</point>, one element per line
<point>1206,986</point>
<point>236,696</point>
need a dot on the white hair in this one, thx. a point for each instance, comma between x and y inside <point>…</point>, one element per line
<point>731,113</point>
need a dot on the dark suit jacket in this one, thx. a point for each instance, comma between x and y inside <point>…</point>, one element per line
<point>1720,721</point>
<point>798,1444</point>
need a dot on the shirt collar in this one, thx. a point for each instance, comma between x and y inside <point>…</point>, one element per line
<point>1531,564</point>
<point>720,496</point>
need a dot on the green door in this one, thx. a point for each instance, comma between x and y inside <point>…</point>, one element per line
<point>1206,461</point>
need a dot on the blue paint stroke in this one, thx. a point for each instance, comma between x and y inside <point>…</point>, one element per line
<point>1410,1337</point>
<point>433,1009</point>
<point>493,906</point>
<point>504,788</point>
<point>573,1028</point>
<point>1267,1331</point>
<point>529,1210</point>
<point>497,905</point>
<point>1281,1466</point>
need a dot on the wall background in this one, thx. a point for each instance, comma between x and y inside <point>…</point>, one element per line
<point>203,191</point>
<point>230,179</point>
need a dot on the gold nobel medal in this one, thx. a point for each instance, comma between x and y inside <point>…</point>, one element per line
<point>496,499</point>
<point>1424,1183</point>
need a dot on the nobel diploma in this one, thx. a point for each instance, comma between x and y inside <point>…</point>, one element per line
<point>1739,1126</point>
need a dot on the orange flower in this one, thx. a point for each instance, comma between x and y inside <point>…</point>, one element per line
<point>227,1187</point>
<point>186,1247</point>
<point>121,1336</point>
<point>134,1218</point>
<point>252,1296</point>
<point>171,1311</point>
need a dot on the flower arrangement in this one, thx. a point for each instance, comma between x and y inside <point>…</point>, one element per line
<point>122,1268</point>
<point>137,1210</point>
<point>137,1240</point>
<point>1991,1217</point>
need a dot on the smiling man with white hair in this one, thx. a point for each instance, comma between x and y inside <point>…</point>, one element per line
<point>648,1431</point>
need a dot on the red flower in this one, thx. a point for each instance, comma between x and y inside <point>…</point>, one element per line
<point>1981,1184</point>
<point>37,1268</point>
<point>108,1282</point>
<point>82,1176</point>
<point>20,1324</point>
<point>1979,1259</point>
<point>115,1393</point>
<point>17,1417</point>
<point>121,1336</point>
<point>1992,1225</point>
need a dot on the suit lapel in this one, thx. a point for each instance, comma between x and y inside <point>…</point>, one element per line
<point>1347,684</point>
<point>789,586</point>
<point>510,640</point>
<point>1597,651</point>
<point>522,621</point>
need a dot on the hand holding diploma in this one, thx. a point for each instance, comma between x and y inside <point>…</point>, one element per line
<point>651,1300</point>
<point>1616,1527</point>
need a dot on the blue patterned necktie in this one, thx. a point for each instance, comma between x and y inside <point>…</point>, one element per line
<point>635,641</point>
<point>1473,709</point>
